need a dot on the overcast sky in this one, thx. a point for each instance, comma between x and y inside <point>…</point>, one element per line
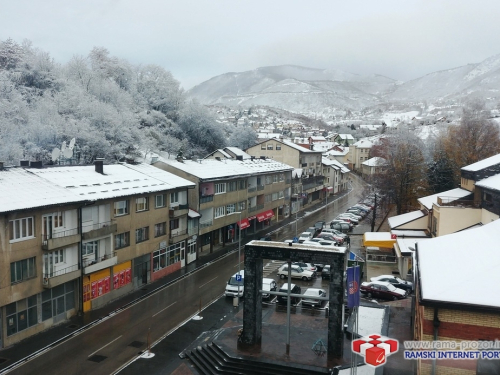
<point>199,39</point>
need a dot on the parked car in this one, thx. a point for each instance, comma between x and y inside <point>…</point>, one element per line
<point>396,281</point>
<point>348,219</point>
<point>267,237</point>
<point>325,272</point>
<point>331,237</point>
<point>306,266</point>
<point>323,242</point>
<point>362,207</point>
<point>320,225</point>
<point>313,230</point>
<point>337,221</point>
<point>334,231</point>
<point>234,287</point>
<point>310,294</point>
<point>343,227</point>
<point>297,272</point>
<point>294,289</point>
<point>356,212</point>
<point>305,236</point>
<point>350,214</point>
<point>268,285</point>
<point>382,289</point>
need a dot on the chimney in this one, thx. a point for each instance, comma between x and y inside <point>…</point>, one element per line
<point>25,163</point>
<point>263,157</point>
<point>252,158</point>
<point>99,165</point>
<point>36,164</point>
<point>239,157</point>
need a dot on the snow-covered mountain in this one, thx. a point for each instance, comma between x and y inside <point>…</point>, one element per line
<point>306,90</point>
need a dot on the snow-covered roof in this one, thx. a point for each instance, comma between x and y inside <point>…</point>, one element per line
<point>488,162</point>
<point>297,147</point>
<point>398,220</point>
<point>457,193</point>
<point>335,163</point>
<point>297,173</point>
<point>227,168</point>
<point>376,161</point>
<point>492,182</point>
<point>239,152</point>
<point>318,138</point>
<point>400,233</point>
<point>30,188</point>
<point>465,276</point>
<point>337,153</point>
<point>346,136</point>
<point>363,144</point>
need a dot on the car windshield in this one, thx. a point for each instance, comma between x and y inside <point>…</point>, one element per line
<point>232,281</point>
<point>298,269</point>
<point>391,287</point>
<point>400,281</point>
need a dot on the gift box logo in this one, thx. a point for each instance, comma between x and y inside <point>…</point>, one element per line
<point>375,349</point>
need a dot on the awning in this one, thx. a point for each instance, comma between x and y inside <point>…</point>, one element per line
<point>193,214</point>
<point>379,239</point>
<point>243,223</point>
<point>329,188</point>
<point>265,215</point>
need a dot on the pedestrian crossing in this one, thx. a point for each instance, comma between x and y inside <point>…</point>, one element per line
<point>271,266</point>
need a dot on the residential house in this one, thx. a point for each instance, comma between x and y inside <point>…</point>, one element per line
<point>373,166</point>
<point>234,193</point>
<point>344,139</point>
<point>73,238</point>
<point>336,176</point>
<point>307,179</point>
<point>358,153</point>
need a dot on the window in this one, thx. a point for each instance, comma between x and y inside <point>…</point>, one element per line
<point>232,186</point>
<point>487,197</point>
<point>160,201</point>
<point>58,256</point>
<point>121,208</point>
<point>220,211</point>
<point>22,270</point>
<point>263,146</point>
<point>278,147</point>
<point>268,180</point>
<point>174,224</point>
<point>141,204</point>
<point>165,257</point>
<point>242,184</point>
<point>192,246</point>
<point>58,300</point>
<point>230,209</point>
<point>275,196</point>
<point>220,188</point>
<point>267,198</point>
<point>22,228</point>
<point>275,178</point>
<point>242,206</point>
<point>141,234</point>
<point>160,229</point>
<point>122,240</point>
<point>89,248</point>
<point>174,198</point>
<point>282,177</point>
<point>21,315</point>
<point>269,146</point>
<point>281,194</point>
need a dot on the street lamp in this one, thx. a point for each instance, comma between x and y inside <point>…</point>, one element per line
<point>237,298</point>
<point>298,208</point>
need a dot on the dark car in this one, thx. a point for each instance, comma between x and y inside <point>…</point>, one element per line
<point>396,281</point>
<point>295,289</point>
<point>320,224</point>
<point>325,272</point>
<point>315,231</point>
<point>267,237</point>
<point>382,289</point>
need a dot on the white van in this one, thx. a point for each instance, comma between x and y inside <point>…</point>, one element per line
<point>233,284</point>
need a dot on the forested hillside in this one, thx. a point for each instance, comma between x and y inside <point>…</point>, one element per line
<point>114,109</point>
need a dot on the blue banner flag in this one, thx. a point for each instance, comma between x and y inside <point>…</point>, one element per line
<point>353,276</point>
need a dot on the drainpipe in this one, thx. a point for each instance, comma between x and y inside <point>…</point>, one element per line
<point>435,323</point>
<point>80,247</point>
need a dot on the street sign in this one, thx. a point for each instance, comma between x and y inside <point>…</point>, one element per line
<point>238,277</point>
<point>295,240</point>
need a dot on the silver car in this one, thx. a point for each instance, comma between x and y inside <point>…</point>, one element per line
<point>310,294</point>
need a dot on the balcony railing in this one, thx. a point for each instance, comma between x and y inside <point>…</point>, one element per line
<point>312,182</point>
<point>252,189</point>
<point>90,262</point>
<point>64,233</point>
<point>97,230</point>
<point>60,239</point>
<point>260,187</point>
<point>381,258</point>
<point>206,199</point>
<point>60,272</point>
<point>104,224</point>
<point>454,202</point>
<point>252,209</point>
<point>192,231</point>
<point>178,232</point>
<point>206,224</point>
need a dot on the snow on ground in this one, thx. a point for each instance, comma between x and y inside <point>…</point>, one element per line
<point>370,321</point>
<point>391,119</point>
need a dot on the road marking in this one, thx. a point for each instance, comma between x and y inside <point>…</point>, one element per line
<point>109,343</point>
<point>209,281</point>
<point>164,309</point>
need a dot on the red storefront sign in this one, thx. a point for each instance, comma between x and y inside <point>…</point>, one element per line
<point>265,215</point>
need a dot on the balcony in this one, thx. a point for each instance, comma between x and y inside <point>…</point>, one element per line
<point>206,199</point>
<point>288,181</point>
<point>60,239</point>
<point>312,182</point>
<point>260,187</point>
<point>205,224</point>
<point>252,189</point>
<point>177,235</point>
<point>454,202</point>
<point>93,265</point>
<point>98,230</point>
<point>53,279</point>
<point>178,210</point>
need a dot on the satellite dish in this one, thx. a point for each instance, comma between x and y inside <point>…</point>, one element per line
<point>68,153</point>
<point>63,146</point>
<point>72,144</point>
<point>55,154</point>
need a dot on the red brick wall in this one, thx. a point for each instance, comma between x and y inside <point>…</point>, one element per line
<point>165,271</point>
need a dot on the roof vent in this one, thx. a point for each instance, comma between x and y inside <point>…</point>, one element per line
<point>217,158</point>
<point>263,157</point>
<point>239,157</point>
<point>252,157</point>
<point>25,163</point>
<point>36,164</point>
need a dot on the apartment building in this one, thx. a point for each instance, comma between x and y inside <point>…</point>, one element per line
<point>73,238</point>
<point>359,152</point>
<point>336,175</point>
<point>308,183</point>
<point>234,193</point>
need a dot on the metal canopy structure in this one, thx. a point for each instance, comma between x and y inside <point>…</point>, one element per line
<point>256,251</point>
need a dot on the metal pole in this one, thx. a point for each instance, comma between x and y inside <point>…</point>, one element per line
<point>288,303</point>
<point>239,258</point>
